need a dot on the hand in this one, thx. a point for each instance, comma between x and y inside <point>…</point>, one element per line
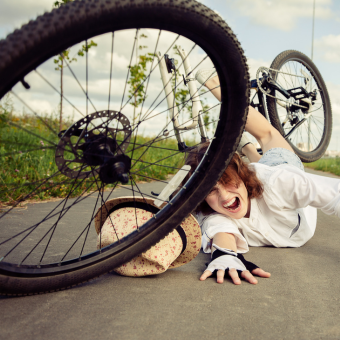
<point>225,260</point>
<point>233,273</point>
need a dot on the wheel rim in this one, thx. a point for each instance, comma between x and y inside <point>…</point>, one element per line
<point>315,125</point>
<point>39,247</point>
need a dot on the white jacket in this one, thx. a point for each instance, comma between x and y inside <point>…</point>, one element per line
<point>285,216</point>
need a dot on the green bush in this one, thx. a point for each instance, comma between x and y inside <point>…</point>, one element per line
<point>326,164</point>
<point>27,153</point>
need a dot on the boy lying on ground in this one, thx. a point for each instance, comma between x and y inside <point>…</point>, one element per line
<point>269,202</point>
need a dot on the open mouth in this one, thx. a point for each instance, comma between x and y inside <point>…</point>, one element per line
<point>233,205</point>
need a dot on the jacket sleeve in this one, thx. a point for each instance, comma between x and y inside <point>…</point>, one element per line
<point>293,188</point>
<point>218,223</point>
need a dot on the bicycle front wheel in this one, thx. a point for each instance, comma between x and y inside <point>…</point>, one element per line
<point>94,64</point>
<point>309,137</point>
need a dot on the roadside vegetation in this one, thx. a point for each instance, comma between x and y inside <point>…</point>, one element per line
<point>331,165</point>
<point>29,172</point>
<point>28,168</point>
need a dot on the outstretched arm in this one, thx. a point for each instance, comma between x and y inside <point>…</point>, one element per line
<point>292,189</point>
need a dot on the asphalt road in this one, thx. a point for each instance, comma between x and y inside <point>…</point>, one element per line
<point>300,300</point>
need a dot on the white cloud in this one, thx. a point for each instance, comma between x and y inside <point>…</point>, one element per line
<point>334,91</point>
<point>15,13</point>
<point>328,48</point>
<point>282,15</point>
<point>254,65</point>
<point>44,100</point>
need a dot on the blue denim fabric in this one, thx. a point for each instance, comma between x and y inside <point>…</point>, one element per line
<point>277,156</point>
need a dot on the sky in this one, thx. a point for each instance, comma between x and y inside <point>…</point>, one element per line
<point>267,28</point>
<point>264,29</point>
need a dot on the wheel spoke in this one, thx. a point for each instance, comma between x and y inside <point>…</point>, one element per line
<point>34,112</point>
<point>100,189</point>
<point>142,83</point>
<point>141,193</point>
<point>87,79</point>
<point>73,187</point>
<point>76,79</point>
<point>26,151</point>
<point>128,72</point>
<point>30,132</point>
<point>42,182</point>
<point>146,89</point>
<point>55,89</point>
<point>34,227</point>
<point>87,229</point>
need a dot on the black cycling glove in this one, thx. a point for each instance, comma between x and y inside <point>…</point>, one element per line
<point>226,259</point>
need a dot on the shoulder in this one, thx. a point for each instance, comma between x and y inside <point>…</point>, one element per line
<point>215,220</point>
<point>271,174</point>
<point>262,169</point>
<point>211,219</point>
<point>263,172</point>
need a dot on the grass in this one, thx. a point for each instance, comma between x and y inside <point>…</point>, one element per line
<point>29,171</point>
<point>162,169</point>
<point>326,164</point>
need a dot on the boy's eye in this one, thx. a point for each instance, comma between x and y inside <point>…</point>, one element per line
<point>212,191</point>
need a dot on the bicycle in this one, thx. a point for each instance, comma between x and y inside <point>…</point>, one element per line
<point>110,145</point>
<point>297,103</point>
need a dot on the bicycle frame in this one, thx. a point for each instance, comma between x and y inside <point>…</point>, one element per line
<point>294,94</point>
<point>167,67</point>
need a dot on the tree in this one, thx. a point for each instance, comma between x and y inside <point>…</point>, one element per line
<point>182,97</point>
<point>57,4</point>
<point>6,110</point>
<point>138,76</point>
<point>64,56</point>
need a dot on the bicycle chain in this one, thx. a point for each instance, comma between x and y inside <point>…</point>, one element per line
<point>266,92</point>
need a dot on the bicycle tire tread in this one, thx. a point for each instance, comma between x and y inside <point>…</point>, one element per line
<point>41,29</point>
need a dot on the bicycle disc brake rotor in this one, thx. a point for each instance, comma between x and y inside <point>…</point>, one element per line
<point>86,148</point>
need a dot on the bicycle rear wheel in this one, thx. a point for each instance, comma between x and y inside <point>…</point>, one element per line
<point>308,137</point>
<point>52,246</point>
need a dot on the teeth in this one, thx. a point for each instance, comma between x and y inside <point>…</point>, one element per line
<point>230,203</point>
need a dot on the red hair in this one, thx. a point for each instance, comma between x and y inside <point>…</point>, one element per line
<point>236,172</point>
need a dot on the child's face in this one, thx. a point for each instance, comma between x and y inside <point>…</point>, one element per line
<point>229,200</point>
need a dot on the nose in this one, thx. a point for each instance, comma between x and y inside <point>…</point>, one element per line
<point>223,193</point>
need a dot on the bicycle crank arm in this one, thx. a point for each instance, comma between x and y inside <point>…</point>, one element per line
<point>271,84</point>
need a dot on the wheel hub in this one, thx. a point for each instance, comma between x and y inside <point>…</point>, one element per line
<point>100,150</point>
<point>95,145</point>
<point>116,169</point>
